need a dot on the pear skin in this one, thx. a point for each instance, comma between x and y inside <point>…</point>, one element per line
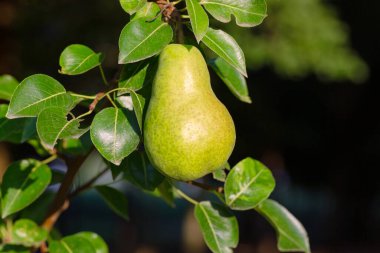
<point>188,132</point>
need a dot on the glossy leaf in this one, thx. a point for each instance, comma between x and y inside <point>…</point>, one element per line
<point>226,47</point>
<point>247,13</point>
<point>248,184</point>
<point>134,75</point>
<point>28,233</point>
<point>114,134</point>
<point>81,146</point>
<point>141,173</point>
<point>35,93</point>
<point>219,227</point>
<point>291,235</point>
<point>138,107</point>
<point>16,130</point>
<point>23,182</point>
<point>149,11</point>
<point>90,168</point>
<point>198,18</point>
<point>140,39</point>
<point>115,199</point>
<point>72,244</point>
<point>235,81</point>
<point>131,6</point>
<point>77,59</point>
<point>52,124</point>
<point>219,175</point>
<point>96,241</point>
<point>165,191</point>
<point>8,85</point>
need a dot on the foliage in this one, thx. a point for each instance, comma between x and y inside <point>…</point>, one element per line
<point>41,112</point>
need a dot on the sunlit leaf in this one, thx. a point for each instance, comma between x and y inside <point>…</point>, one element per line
<point>8,84</point>
<point>77,59</point>
<point>226,47</point>
<point>96,241</point>
<point>248,13</point>
<point>23,182</point>
<point>72,244</point>
<point>131,6</point>
<point>232,78</point>
<point>115,199</point>
<point>219,175</point>
<point>219,227</point>
<point>134,75</point>
<point>28,233</point>
<point>248,183</point>
<point>140,39</point>
<point>291,235</point>
<point>35,93</point>
<point>115,134</point>
<point>138,107</point>
<point>198,18</point>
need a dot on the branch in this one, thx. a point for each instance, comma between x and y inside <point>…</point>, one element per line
<point>206,186</point>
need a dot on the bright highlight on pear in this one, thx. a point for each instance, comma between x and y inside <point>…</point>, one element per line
<point>188,132</point>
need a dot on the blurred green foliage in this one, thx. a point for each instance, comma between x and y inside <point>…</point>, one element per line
<point>300,38</point>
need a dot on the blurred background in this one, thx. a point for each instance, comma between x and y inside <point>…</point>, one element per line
<point>314,121</point>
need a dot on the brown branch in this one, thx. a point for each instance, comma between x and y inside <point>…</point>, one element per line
<point>87,185</point>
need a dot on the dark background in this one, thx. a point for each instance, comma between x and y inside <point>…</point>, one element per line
<point>321,140</point>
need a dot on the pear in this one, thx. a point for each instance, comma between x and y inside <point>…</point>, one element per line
<point>188,132</point>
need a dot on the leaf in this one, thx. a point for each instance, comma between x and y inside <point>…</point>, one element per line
<point>248,13</point>
<point>8,84</point>
<point>77,59</point>
<point>114,134</point>
<point>219,226</point>
<point>115,199</point>
<point>138,107</point>
<point>140,39</point>
<point>15,130</point>
<point>149,11</point>
<point>35,93</point>
<point>96,241</point>
<point>23,182</point>
<point>28,233</point>
<point>165,191</point>
<point>219,175</point>
<point>248,184</point>
<point>72,244</point>
<point>76,147</point>
<point>37,211</point>
<point>226,47</point>
<point>13,249</point>
<point>291,235</point>
<point>134,75</point>
<point>90,168</point>
<point>131,6</point>
<point>232,78</point>
<point>141,173</point>
<point>198,18</point>
<point>52,124</point>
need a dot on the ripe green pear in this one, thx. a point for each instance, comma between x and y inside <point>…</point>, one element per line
<point>188,132</point>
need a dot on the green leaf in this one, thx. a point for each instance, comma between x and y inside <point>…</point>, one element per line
<point>13,249</point>
<point>149,11</point>
<point>219,226</point>
<point>165,191</point>
<point>77,59</point>
<point>141,173</point>
<point>115,134</point>
<point>15,130</point>
<point>226,47</point>
<point>28,233</point>
<point>140,39</point>
<point>37,211</point>
<point>115,199</point>
<point>23,182</point>
<point>35,93</point>
<point>248,184</point>
<point>232,78</point>
<point>81,146</point>
<point>131,6</point>
<point>219,175</point>
<point>96,241</point>
<point>291,235</point>
<point>248,13</point>
<point>133,76</point>
<point>52,124</point>
<point>72,244</point>
<point>198,18</point>
<point>8,84</point>
<point>138,107</point>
